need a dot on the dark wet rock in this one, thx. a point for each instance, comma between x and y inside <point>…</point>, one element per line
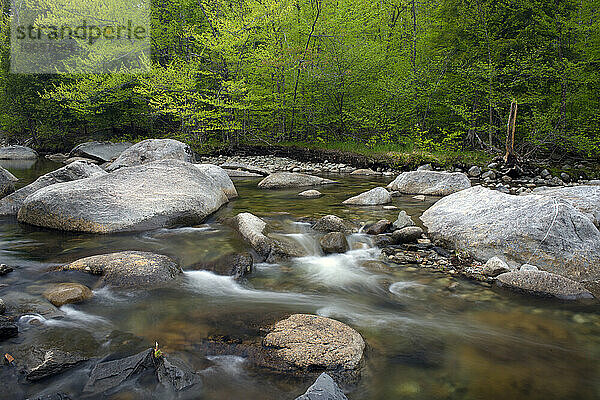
<point>313,343</point>
<point>129,268</point>
<point>8,330</point>
<point>237,265</point>
<point>430,183</point>
<point>494,267</point>
<point>54,362</point>
<point>99,151</point>
<point>403,221</point>
<point>383,240</point>
<point>5,269</point>
<point>334,242</point>
<point>159,194</point>
<point>220,178</point>
<point>17,153</point>
<point>407,235</point>
<point>150,150</point>
<point>373,197</point>
<point>324,388</point>
<point>378,227</point>
<point>11,204</point>
<point>7,182</point>
<point>542,283</point>
<point>310,194</point>
<point>330,223</point>
<point>20,303</point>
<point>283,180</point>
<point>230,165</point>
<point>175,374</point>
<point>54,396</point>
<point>547,232</point>
<point>67,293</point>
<point>251,228</point>
<point>110,374</point>
<point>284,249</point>
<point>2,307</point>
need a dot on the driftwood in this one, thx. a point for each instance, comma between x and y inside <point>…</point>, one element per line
<point>510,157</point>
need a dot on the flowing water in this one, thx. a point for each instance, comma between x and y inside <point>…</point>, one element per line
<point>424,341</point>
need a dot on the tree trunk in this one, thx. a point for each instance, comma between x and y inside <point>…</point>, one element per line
<point>510,158</point>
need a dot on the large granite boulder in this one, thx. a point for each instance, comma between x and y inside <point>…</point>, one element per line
<point>284,180</point>
<point>99,151</point>
<point>251,228</point>
<point>544,284</point>
<point>373,197</point>
<point>324,388</point>
<point>541,230</point>
<point>307,342</point>
<point>430,183</point>
<point>128,268</point>
<point>7,182</point>
<point>159,194</point>
<point>17,153</point>
<point>150,150</point>
<point>330,223</point>
<point>585,198</point>
<point>11,204</point>
<point>221,178</point>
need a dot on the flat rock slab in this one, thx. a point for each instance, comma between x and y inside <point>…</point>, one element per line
<point>110,374</point>
<point>245,167</point>
<point>150,150</point>
<point>373,197</point>
<point>285,180</point>
<point>430,183</point>
<point>11,204</point>
<point>544,231</point>
<point>54,362</point>
<point>234,173</point>
<point>17,153</point>
<point>542,283</point>
<point>324,388</point>
<point>309,342</point>
<point>99,151</point>
<point>129,268</point>
<point>159,194</point>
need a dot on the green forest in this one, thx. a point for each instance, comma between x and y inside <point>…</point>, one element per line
<point>432,75</point>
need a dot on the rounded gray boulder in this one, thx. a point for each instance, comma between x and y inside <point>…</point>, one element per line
<point>150,150</point>
<point>430,183</point>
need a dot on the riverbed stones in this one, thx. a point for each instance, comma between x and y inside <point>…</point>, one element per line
<point>2,307</point>
<point>334,242</point>
<point>330,223</point>
<point>373,197</point>
<point>310,194</point>
<point>17,153</point>
<point>5,269</point>
<point>403,221</point>
<point>324,388</point>
<point>550,233</point>
<point>542,283</point>
<point>150,150</point>
<point>430,183</point>
<point>67,293</point>
<point>309,342</point>
<point>129,268</point>
<point>220,177</point>
<point>285,180</point>
<point>11,204</point>
<point>495,266</point>
<point>99,151</point>
<point>474,171</point>
<point>251,228</point>
<point>159,194</point>
<point>407,234</point>
<point>7,182</point>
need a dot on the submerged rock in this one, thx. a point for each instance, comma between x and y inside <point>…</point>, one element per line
<point>552,234</point>
<point>324,388</point>
<point>237,265</point>
<point>99,151</point>
<point>67,293</point>
<point>7,182</point>
<point>283,180</point>
<point>220,177</point>
<point>8,330</point>
<point>373,197</point>
<point>334,242</point>
<point>311,194</point>
<point>311,342</point>
<point>129,268</point>
<point>430,183</point>
<point>17,153</point>
<point>159,194</point>
<point>542,283</point>
<point>11,204</point>
<point>330,223</point>
<point>150,150</point>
